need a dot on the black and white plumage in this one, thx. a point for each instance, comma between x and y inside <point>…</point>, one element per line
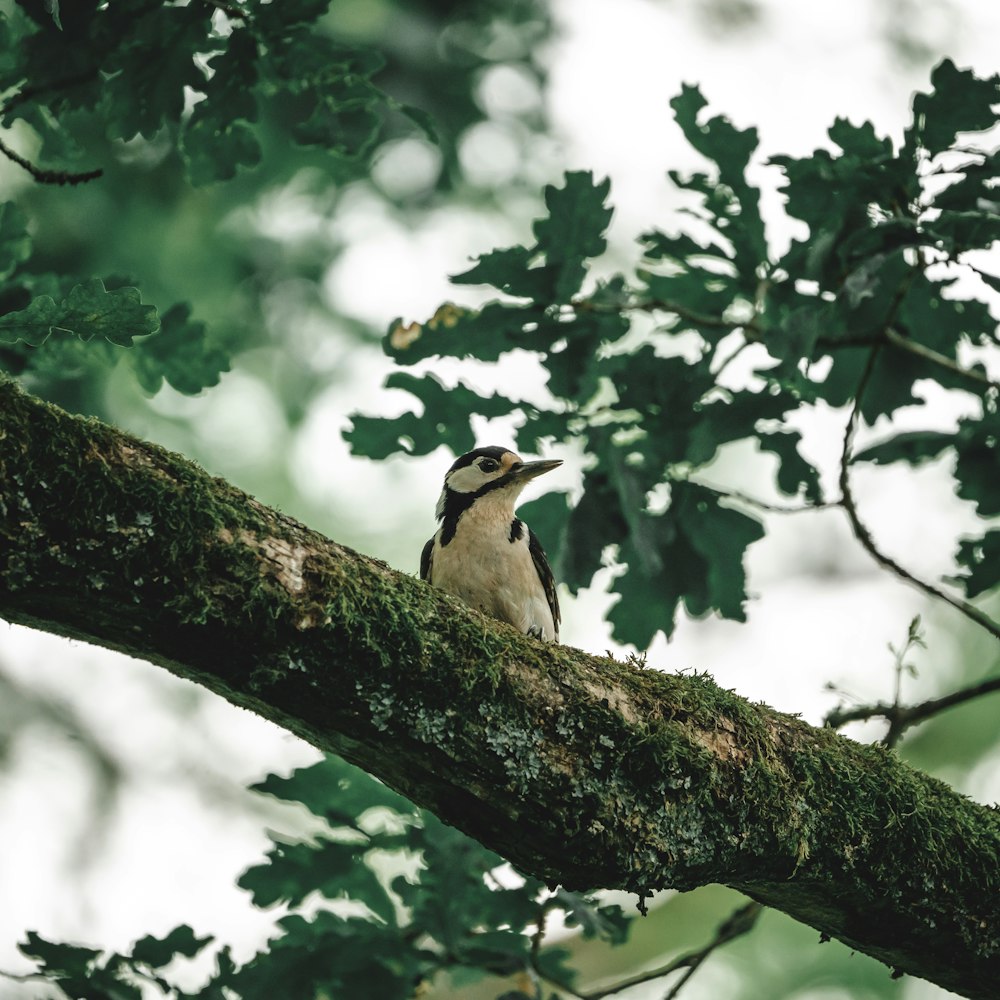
<point>484,554</point>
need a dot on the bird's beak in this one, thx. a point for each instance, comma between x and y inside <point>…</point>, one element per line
<point>525,471</point>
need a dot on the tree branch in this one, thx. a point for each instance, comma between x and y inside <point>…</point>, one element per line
<point>864,536</point>
<point>902,717</point>
<point>113,541</point>
<point>741,921</point>
<point>49,176</point>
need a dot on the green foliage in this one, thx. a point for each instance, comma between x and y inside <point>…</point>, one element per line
<point>640,366</point>
<point>856,314</point>
<point>572,232</point>
<point>375,933</point>
<point>86,972</point>
<point>57,333</point>
<point>141,58</point>
<point>449,406</point>
<point>90,310</point>
<point>181,353</point>
<point>165,96</point>
<point>131,78</point>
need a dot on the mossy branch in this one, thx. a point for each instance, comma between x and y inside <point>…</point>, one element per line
<point>579,769</point>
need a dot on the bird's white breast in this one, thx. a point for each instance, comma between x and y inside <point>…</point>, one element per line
<point>482,566</point>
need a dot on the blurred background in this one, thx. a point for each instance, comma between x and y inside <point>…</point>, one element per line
<point>123,802</point>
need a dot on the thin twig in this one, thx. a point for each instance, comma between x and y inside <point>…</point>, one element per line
<point>902,717</point>
<point>667,305</point>
<point>738,923</point>
<point>48,176</point>
<point>771,508</point>
<point>732,357</point>
<point>896,339</point>
<point>864,536</point>
<point>29,93</point>
<point>552,903</point>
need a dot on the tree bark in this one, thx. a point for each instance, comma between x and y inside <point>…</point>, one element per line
<point>581,770</point>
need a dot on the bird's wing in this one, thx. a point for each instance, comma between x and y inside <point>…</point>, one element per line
<point>425,560</point>
<point>545,575</point>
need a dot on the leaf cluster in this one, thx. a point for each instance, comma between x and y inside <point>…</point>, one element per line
<point>161,97</point>
<point>51,326</point>
<point>642,366</point>
<point>144,64</point>
<point>387,898</point>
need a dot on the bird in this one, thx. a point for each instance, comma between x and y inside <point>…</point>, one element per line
<point>483,553</point>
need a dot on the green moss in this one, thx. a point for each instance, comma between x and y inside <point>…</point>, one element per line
<point>623,775</point>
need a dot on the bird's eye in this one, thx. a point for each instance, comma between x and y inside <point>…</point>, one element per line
<point>489,465</point>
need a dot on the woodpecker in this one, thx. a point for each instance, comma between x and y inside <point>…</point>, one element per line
<point>484,554</point>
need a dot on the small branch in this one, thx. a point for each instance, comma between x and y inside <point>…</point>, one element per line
<point>902,717</point>
<point>48,176</point>
<point>771,508</point>
<point>544,909</point>
<point>732,357</point>
<point>667,305</point>
<point>738,923</point>
<point>897,340</point>
<point>864,536</point>
<point>29,93</point>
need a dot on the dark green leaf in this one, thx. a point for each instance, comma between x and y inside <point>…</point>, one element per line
<point>981,558</point>
<point>548,516</point>
<point>500,952</point>
<point>959,102</point>
<point>509,271</point>
<point>573,231</point>
<point>860,140</point>
<point>31,325</point>
<point>973,186</point>
<point>181,352</point>
<point>666,392</point>
<point>573,357</point>
<point>158,952</point>
<point>215,142</point>
<point>335,869</point>
<point>59,959</point>
<point>554,965</point>
<point>332,957</point>
<point>334,789</point>
<point>730,149</point>
<point>695,292</point>
<point>445,419</point>
<point>958,231</point>
<point>697,556</point>
<point>795,474</point>
<point>607,922</point>
<point>679,248</point>
<point>15,243</point>
<point>978,467</point>
<point>914,447</point>
<point>721,536</point>
<point>454,331</point>
<point>731,418</point>
<point>146,74</point>
<point>90,310</point>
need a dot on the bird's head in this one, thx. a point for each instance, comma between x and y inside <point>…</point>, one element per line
<point>494,473</point>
